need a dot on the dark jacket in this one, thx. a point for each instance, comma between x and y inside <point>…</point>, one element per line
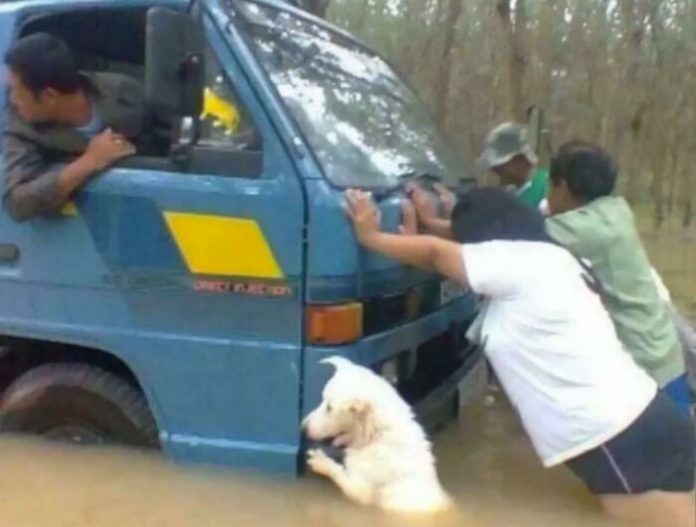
<point>31,152</point>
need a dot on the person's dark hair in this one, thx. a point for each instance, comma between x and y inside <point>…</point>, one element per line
<point>588,170</point>
<point>491,213</point>
<point>43,61</point>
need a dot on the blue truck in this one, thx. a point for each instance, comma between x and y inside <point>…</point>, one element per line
<point>185,301</point>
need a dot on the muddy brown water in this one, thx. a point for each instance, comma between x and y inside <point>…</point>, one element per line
<point>485,462</point>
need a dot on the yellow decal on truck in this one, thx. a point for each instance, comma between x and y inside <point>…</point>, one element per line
<point>218,245</point>
<point>69,209</point>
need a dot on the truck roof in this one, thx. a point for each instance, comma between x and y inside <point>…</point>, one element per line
<point>11,5</point>
<point>121,2</point>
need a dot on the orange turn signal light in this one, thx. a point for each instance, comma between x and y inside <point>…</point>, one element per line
<point>334,324</point>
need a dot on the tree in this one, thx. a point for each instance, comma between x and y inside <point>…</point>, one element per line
<point>515,28</point>
<point>445,64</point>
<point>621,73</point>
<point>316,7</point>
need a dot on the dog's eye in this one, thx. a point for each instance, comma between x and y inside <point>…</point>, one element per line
<point>329,408</point>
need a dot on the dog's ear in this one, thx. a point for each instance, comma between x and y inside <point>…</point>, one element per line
<point>363,412</point>
<point>360,408</point>
<point>337,362</point>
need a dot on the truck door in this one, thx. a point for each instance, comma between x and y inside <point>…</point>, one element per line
<point>190,271</point>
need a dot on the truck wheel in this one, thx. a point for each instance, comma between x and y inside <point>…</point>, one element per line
<point>77,403</point>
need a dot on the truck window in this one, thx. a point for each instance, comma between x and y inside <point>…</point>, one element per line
<point>224,121</point>
<point>97,38</point>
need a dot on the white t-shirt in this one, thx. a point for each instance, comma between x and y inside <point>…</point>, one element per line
<point>554,348</point>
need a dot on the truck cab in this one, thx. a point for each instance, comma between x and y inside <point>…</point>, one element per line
<point>186,300</point>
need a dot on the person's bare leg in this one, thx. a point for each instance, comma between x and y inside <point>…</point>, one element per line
<point>652,509</point>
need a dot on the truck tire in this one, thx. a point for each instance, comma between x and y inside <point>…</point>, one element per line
<point>79,404</point>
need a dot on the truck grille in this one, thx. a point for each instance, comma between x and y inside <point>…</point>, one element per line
<point>421,369</point>
<point>435,360</point>
<point>383,313</point>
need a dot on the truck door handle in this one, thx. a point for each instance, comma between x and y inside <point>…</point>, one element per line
<point>9,253</point>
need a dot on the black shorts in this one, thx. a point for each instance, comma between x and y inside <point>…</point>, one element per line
<point>657,452</point>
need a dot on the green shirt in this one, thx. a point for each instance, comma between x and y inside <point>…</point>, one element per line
<point>534,192</point>
<point>604,233</point>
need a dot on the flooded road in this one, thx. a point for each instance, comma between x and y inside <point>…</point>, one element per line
<point>485,461</point>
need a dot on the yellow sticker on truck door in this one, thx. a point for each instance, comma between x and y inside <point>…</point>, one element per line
<point>223,246</point>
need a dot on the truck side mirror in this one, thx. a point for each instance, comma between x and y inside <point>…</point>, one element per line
<point>174,64</point>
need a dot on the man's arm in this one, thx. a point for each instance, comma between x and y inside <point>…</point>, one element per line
<point>32,188</point>
<point>439,227</point>
<point>487,268</point>
<point>426,252</point>
<point>567,234</point>
<point>427,214</point>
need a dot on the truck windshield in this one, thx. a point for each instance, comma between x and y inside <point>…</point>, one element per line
<point>365,125</point>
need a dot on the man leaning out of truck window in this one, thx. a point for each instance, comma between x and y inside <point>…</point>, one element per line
<point>60,115</point>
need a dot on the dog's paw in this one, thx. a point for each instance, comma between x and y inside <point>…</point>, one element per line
<point>320,463</point>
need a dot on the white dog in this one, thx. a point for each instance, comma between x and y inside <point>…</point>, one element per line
<point>388,461</point>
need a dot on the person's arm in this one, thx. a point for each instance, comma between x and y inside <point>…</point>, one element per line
<point>447,198</point>
<point>662,290</point>
<point>439,227</point>
<point>427,214</point>
<point>103,150</point>
<point>567,234</point>
<point>32,188</point>
<point>426,252</point>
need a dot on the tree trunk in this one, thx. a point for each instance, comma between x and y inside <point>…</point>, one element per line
<point>518,61</point>
<point>444,71</point>
<point>515,31</point>
<point>316,7</point>
<point>361,19</point>
<point>636,102</point>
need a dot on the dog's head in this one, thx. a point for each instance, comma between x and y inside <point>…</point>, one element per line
<point>346,414</point>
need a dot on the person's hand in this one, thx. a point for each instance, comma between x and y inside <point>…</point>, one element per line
<point>424,206</point>
<point>107,148</point>
<point>447,198</point>
<point>409,220</point>
<point>363,212</point>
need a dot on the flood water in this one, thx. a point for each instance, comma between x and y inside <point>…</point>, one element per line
<point>485,462</point>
